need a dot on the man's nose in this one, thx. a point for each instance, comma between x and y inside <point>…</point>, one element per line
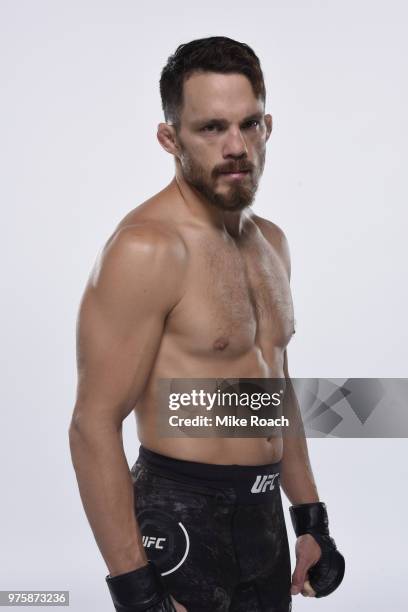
<point>234,144</point>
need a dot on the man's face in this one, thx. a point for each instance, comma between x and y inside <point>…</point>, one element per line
<point>222,135</point>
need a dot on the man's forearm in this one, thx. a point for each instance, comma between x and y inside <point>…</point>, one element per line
<point>106,491</point>
<point>296,473</point>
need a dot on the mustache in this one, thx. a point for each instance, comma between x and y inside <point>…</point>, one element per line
<point>238,166</point>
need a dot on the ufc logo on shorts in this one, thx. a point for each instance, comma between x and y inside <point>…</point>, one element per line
<point>152,542</point>
<point>264,482</point>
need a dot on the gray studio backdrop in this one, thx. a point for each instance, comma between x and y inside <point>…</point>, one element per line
<point>79,109</point>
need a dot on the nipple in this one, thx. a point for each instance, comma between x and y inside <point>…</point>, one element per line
<point>220,344</point>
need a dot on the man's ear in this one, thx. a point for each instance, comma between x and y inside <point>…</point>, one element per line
<point>166,135</point>
<point>269,124</point>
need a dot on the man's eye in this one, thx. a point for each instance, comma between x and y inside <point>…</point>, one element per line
<point>210,128</point>
<point>252,124</point>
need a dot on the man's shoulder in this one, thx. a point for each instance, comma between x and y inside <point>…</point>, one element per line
<point>152,225</point>
<point>144,238</point>
<point>270,230</point>
<point>148,235</point>
<point>146,245</point>
<point>139,260</point>
<point>276,238</point>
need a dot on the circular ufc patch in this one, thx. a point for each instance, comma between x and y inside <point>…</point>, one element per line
<point>165,540</point>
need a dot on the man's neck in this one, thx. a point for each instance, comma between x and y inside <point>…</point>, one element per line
<point>202,209</point>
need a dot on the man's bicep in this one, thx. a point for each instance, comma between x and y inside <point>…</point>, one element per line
<point>121,322</point>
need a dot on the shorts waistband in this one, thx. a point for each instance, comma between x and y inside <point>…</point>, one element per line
<point>247,480</point>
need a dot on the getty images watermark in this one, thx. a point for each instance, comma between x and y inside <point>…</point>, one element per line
<point>198,398</point>
<point>267,407</point>
<point>221,407</point>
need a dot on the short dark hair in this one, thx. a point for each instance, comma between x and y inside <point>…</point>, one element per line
<point>213,54</point>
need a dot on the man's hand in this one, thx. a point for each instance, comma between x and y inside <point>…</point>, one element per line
<point>308,553</point>
<point>320,566</point>
<point>141,589</point>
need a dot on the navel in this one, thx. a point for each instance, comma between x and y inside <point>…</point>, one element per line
<point>220,344</point>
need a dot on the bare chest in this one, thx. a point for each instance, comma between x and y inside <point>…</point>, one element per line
<point>236,298</point>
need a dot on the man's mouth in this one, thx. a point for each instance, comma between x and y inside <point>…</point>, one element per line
<point>236,174</point>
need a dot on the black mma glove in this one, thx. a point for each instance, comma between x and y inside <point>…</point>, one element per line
<point>326,575</point>
<point>140,590</point>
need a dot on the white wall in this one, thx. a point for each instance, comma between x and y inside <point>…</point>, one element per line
<point>79,108</point>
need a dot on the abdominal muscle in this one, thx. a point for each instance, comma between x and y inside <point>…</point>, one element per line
<point>214,450</point>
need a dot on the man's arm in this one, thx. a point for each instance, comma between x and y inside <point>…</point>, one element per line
<point>135,283</point>
<point>319,566</point>
<point>296,473</point>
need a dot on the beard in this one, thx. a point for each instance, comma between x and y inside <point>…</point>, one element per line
<point>240,193</point>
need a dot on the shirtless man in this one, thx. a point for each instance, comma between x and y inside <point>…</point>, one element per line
<point>193,284</point>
